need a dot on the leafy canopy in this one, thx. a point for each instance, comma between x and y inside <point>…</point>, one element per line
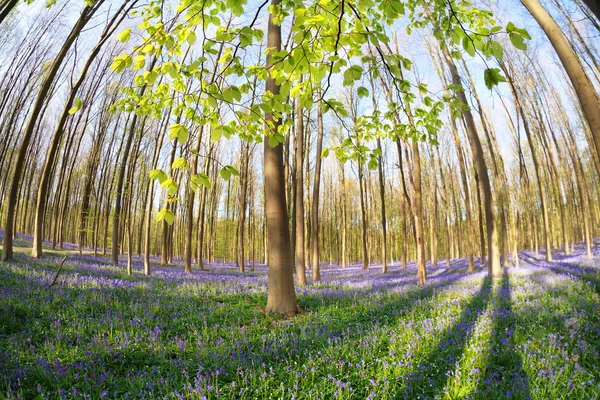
<point>208,66</point>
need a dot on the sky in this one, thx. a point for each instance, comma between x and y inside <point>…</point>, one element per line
<point>505,11</point>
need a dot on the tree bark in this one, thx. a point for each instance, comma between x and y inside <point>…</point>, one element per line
<point>86,15</point>
<point>494,268</point>
<point>281,295</point>
<point>588,98</point>
<point>316,269</point>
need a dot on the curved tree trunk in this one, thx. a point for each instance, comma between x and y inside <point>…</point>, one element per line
<point>86,15</point>
<point>594,6</point>
<point>6,6</point>
<point>590,102</point>
<point>536,164</point>
<point>42,193</point>
<point>494,268</point>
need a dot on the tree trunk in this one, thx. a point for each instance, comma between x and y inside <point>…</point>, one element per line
<point>52,151</point>
<point>86,15</point>
<point>536,165</point>
<point>299,205</point>
<point>242,203</point>
<point>494,268</point>
<point>590,102</point>
<point>281,296</point>
<point>316,270</point>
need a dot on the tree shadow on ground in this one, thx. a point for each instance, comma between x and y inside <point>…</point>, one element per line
<point>583,273</point>
<point>331,321</point>
<point>504,376</point>
<point>432,372</point>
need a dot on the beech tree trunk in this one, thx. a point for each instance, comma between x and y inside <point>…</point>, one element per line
<point>86,15</point>
<point>299,197</point>
<point>316,270</point>
<point>42,193</point>
<point>494,268</point>
<point>281,294</point>
<point>590,102</point>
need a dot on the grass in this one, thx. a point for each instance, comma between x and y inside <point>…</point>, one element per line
<point>534,334</point>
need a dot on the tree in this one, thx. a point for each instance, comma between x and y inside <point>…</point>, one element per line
<point>85,16</point>
<point>316,274</point>
<point>588,97</point>
<point>299,195</point>
<point>68,109</point>
<point>494,268</point>
<point>281,295</point>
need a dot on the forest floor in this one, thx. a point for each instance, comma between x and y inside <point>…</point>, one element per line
<point>98,333</point>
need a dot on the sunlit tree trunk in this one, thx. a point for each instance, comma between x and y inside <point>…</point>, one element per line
<point>244,172</point>
<point>536,164</point>
<point>494,268</point>
<point>86,15</point>
<point>588,97</point>
<point>281,295</point>
<point>299,197</point>
<point>316,270</point>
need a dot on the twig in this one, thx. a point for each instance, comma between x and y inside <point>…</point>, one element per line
<point>58,272</point>
<point>258,307</point>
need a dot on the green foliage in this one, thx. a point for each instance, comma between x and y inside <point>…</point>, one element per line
<point>492,77</point>
<point>166,215</point>
<point>124,36</point>
<point>170,185</point>
<point>227,171</point>
<point>178,132</point>
<point>180,163</point>
<point>76,106</point>
<point>220,86</point>
<point>200,180</point>
<point>158,174</point>
<point>517,36</point>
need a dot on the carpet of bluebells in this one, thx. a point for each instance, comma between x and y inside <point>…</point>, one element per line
<point>98,333</point>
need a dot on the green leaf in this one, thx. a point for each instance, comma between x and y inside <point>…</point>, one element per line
<point>180,163</point>
<point>362,92</point>
<point>497,50</point>
<point>158,174</point>
<point>124,36</point>
<point>233,170</point>
<point>179,132</point>
<point>225,173</point>
<point>121,62</point>
<point>200,179</point>
<point>76,106</point>
<point>468,46</point>
<point>518,42</point>
<point>191,38</point>
<point>273,142</point>
<point>216,133</point>
<point>492,77</point>
<point>139,62</point>
<point>166,215</point>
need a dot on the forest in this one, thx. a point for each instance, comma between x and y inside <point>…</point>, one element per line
<point>300,199</point>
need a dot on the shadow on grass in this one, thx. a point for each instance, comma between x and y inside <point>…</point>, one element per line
<point>432,373</point>
<point>246,336</point>
<point>504,376</point>
<point>585,274</point>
